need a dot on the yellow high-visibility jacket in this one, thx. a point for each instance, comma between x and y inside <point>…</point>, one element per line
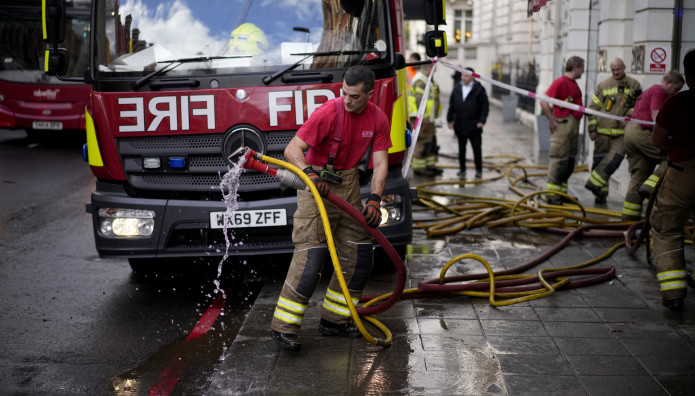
<point>616,97</point>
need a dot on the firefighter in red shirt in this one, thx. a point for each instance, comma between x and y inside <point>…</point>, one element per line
<point>335,138</point>
<point>675,201</point>
<point>646,163</point>
<point>564,128</point>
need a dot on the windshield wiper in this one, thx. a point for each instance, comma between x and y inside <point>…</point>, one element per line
<point>268,79</point>
<point>174,63</point>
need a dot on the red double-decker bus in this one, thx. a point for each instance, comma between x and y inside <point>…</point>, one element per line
<point>29,98</point>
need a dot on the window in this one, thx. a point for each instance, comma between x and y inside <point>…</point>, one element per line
<point>468,26</point>
<point>463,25</point>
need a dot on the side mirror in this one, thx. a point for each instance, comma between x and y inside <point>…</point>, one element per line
<point>435,13</point>
<point>56,62</point>
<point>435,44</point>
<point>432,11</point>
<point>53,21</point>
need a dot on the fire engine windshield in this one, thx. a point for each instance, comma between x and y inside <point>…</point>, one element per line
<point>21,42</point>
<point>136,37</point>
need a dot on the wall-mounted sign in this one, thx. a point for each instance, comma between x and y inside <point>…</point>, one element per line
<point>657,59</point>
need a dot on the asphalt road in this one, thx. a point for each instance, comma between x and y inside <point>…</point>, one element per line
<point>73,323</point>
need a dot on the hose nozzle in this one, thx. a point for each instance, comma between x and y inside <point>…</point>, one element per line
<point>252,160</point>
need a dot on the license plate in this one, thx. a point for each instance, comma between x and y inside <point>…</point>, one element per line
<point>249,218</point>
<point>47,124</point>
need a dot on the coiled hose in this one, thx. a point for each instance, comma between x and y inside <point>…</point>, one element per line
<point>502,287</point>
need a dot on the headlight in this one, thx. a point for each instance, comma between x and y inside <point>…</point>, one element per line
<point>114,222</point>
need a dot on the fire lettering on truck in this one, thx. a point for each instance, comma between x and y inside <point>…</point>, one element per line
<point>288,101</point>
<point>166,108</point>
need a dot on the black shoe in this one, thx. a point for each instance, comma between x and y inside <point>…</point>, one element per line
<point>286,340</point>
<point>339,329</point>
<point>478,175</point>
<point>674,305</point>
<point>690,279</point>
<point>600,199</point>
<point>435,171</point>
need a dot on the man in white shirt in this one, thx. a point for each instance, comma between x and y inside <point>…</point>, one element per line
<point>467,114</point>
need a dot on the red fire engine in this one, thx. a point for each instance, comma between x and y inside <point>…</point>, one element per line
<point>179,86</point>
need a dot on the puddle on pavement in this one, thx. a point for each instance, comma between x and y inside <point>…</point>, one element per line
<point>466,368</point>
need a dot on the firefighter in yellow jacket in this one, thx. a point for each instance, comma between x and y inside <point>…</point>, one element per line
<point>616,95</point>
<point>424,156</point>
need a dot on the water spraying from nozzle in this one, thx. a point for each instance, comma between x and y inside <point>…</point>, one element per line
<point>237,151</point>
<point>229,184</point>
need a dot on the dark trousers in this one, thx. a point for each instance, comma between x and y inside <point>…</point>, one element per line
<point>476,140</point>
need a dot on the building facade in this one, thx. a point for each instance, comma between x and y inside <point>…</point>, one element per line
<point>499,40</point>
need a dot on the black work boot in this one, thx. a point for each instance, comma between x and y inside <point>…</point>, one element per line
<point>424,172</point>
<point>568,200</point>
<point>339,329</point>
<point>600,196</point>
<point>674,305</point>
<point>286,340</point>
<point>553,199</point>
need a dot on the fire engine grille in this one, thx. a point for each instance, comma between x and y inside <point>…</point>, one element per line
<point>205,163</point>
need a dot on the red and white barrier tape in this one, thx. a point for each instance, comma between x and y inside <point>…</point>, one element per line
<point>544,98</point>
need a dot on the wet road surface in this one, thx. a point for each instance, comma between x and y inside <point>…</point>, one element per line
<point>73,323</point>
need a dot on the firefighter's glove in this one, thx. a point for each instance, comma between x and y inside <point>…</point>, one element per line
<point>372,210</point>
<point>320,182</point>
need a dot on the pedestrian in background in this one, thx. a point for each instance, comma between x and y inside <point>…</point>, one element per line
<point>675,200</point>
<point>646,163</point>
<point>356,124</point>
<point>564,128</point>
<point>467,114</point>
<point>615,95</point>
<point>425,153</point>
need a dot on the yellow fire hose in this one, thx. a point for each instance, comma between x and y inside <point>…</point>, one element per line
<point>493,212</point>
